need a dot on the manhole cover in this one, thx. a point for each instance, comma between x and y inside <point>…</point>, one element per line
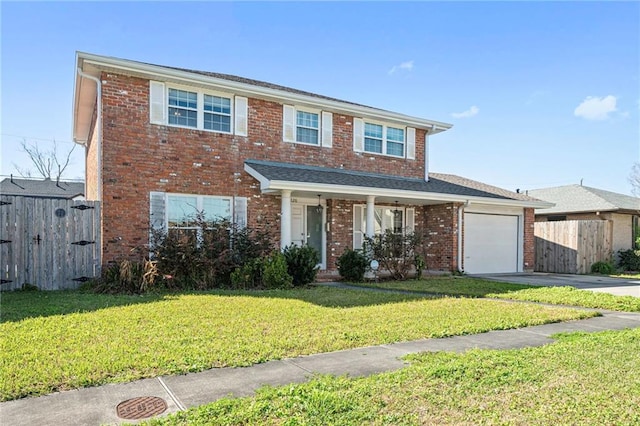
<point>141,407</point>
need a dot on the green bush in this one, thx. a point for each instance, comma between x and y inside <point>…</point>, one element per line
<point>352,265</point>
<point>248,276</point>
<point>264,273</point>
<point>302,263</point>
<point>275,274</point>
<point>629,260</point>
<point>605,268</point>
<point>205,257</point>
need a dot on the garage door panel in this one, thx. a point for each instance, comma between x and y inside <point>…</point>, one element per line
<point>490,243</point>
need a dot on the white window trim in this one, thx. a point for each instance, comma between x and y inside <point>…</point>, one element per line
<point>200,107</point>
<point>363,219</point>
<point>385,126</point>
<point>318,129</point>
<point>324,134</point>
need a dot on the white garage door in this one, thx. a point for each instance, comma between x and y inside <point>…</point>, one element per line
<point>490,243</point>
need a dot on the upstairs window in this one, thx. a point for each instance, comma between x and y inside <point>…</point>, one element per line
<point>307,127</point>
<point>395,141</point>
<point>379,138</point>
<point>373,138</point>
<point>183,108</point>
<point>217,113</point>
<point>382,139</point>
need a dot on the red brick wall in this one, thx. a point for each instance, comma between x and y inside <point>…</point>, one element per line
<point>139,157</point>
<point>529,241</point>
<point>441,236</point>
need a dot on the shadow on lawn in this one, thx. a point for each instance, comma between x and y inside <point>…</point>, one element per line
<point>19,305</point>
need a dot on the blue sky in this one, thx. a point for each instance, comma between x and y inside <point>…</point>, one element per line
<point>540,94</point>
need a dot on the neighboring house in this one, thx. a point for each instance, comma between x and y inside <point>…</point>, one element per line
<point>45,188</point>
<point>577,202</point>
<point>163,142</point>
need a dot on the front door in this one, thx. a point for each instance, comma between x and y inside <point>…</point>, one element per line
<point>307,227</point>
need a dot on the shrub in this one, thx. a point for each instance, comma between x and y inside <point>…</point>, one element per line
<point>302,263</point>
<point>275,272</point>
<point>248,276</point>
<point>605,268</point>
<point>264,273</point>
<point>629,260</point>
<point>396,253</point>
<point>352,265</point>
<point>206,257</point>
<point>129,277</point>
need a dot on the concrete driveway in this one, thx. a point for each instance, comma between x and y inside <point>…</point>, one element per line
<point>616,286</point>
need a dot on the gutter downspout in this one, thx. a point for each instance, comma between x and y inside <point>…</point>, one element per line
<point>460,212</point>
<point>99,129</point>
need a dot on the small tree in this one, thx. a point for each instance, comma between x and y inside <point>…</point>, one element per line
<point>397,253</point>
<point>49,164</point>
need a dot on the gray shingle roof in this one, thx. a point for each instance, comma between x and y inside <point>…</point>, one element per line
<point>438,183</point>
<point>41,188</point>
<point>577,198</point>
<point>264,84</point>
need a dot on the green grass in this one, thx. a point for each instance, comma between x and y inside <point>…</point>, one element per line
<point>582,379</point>
<point>627,275</point>
<point>475,287</point>
<point>86,339</point>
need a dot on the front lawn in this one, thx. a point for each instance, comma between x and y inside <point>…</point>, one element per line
<point>475,287</point>
<point>84,339</point>
<point>582,379</point>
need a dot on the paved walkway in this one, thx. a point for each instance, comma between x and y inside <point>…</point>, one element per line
<point>97,406</point>
<point>597,283</point>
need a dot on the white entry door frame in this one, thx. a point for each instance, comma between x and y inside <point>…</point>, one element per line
<point>308,226</point>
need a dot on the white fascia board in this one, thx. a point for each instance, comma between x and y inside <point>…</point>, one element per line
<point>159,72</point>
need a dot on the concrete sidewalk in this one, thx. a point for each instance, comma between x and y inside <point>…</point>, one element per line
<point>97,406</point>
<point>597,283</point>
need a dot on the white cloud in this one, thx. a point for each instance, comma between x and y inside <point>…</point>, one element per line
<point>595,108</point>
<point>474,110</point>
<point>407,65</point>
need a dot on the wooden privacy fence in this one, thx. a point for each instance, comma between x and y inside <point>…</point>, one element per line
<point>52,244</point>
<point>571,247</point>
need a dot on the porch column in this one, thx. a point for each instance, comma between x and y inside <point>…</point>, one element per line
<point>370,216</point>
<point>285,219</point>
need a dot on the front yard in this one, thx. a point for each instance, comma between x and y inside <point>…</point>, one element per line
<point>582,379</point>
<point>62,340</point>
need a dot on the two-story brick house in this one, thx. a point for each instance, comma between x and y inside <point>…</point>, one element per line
<point>162,142</point>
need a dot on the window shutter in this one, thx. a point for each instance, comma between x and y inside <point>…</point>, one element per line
<point>241,118</point>
<point>327,129</point>
<point>240,212</point>
<point>157,107</point>
<point>289,124</point>
<point>411,143</point>
<point>358,233</point>
<point>157,208</point>
<point>358,134</point>
<point>411,220</point>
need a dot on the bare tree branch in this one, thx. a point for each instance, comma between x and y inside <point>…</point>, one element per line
<point>46,163</point>
<point>634,179</point>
